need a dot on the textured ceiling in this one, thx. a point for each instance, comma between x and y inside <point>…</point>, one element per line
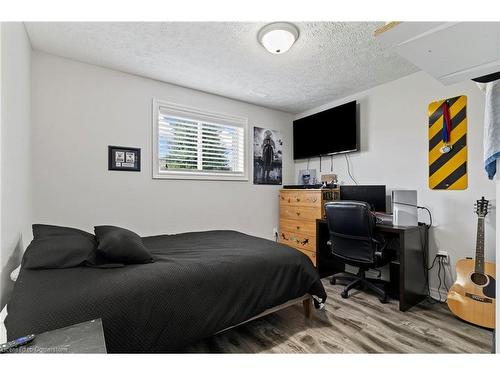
<point>330,60</point>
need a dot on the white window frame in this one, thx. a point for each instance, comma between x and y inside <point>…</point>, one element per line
<point>197,174</point>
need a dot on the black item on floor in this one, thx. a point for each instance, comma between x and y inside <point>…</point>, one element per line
<point>199,284</point>
<point>352,239</point>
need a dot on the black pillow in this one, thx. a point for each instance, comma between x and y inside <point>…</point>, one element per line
<point>44,231</point>
<point>60,251</point>
<point>121,245</point>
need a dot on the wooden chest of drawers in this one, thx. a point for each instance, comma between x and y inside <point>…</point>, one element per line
<point>299,209</point>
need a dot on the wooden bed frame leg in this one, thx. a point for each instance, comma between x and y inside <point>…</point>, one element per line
<point>307,304</point>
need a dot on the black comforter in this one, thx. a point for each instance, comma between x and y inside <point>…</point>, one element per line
<point>199,284</point>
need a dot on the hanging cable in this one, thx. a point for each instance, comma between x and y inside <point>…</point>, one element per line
<point>440,281</point>
<point>419,207</point>
<point>449,271</point>
<point>441,260</point>
<point>331,163</point>
<point>430,215</point>
<point>349,169</point>
<point>427,270</point>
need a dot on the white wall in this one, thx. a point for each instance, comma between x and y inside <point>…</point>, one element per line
<point>394,144</point>
<point>80,109</point>
<point>16,207</point>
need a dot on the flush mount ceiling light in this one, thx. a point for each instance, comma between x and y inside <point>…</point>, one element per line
<point>278,37</point>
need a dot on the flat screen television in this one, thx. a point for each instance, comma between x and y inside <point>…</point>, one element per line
<point>328,132</point>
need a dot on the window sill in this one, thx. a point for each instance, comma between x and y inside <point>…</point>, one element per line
<point>198,176</point>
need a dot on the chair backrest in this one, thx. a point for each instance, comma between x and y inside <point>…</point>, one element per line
<point>351,225</point>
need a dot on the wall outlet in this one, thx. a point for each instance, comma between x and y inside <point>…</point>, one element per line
<point>443,254</point>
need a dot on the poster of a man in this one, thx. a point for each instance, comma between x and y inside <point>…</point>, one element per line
<point>268,157</point>
<point>307,177</point>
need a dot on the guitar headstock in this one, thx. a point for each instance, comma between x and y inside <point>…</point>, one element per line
<point>481,207</point>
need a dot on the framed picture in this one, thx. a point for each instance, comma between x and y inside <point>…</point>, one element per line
<point>307,177</point>
<point>124,158</point>
<point>267,156</point>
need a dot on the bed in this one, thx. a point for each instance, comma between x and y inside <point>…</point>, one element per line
<point>200,284</point>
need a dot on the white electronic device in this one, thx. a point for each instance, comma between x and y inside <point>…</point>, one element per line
<point>404,207</point>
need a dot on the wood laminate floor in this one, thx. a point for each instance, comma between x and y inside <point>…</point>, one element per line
<point>359,324</point>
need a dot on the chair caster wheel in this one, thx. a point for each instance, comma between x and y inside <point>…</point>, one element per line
<point>383,299</point>
<point>333,281</point>
<point>343,294</point>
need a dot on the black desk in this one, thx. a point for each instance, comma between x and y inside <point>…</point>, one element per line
<point>407,272</point>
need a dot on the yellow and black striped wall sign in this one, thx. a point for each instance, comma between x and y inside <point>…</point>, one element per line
<point>448,170</point>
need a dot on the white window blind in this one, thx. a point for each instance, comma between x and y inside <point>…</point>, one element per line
<point>194,144</point>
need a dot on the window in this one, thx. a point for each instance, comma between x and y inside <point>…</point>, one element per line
<point>189,143</point>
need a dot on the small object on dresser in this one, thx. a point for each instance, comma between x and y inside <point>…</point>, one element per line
<point>307,177</point>
<point>329,180</point>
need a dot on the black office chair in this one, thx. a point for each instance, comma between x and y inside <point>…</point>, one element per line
<point>352,238</point>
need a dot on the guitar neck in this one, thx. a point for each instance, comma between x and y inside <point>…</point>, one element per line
<point>479,266</point>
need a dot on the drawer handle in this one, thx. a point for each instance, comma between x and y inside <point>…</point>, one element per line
<point>288,200</point>
<point>298,213</point>
<point>298,199</point>
<point>298,227</point>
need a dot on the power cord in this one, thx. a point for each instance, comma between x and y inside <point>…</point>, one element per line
<point>439,278</point>
<point>349,170</point>
<point>430,215</point>
<point>420,208</point>
<point>430,299</point>
<point>443,264</point>
<point>442,280</point>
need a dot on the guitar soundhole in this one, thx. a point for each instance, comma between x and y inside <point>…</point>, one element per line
<point>479,278</point>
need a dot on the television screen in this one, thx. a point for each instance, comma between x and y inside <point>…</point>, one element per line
<point>327,132</point>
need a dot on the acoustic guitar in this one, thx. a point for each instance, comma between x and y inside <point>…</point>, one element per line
<point>472,297</point>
